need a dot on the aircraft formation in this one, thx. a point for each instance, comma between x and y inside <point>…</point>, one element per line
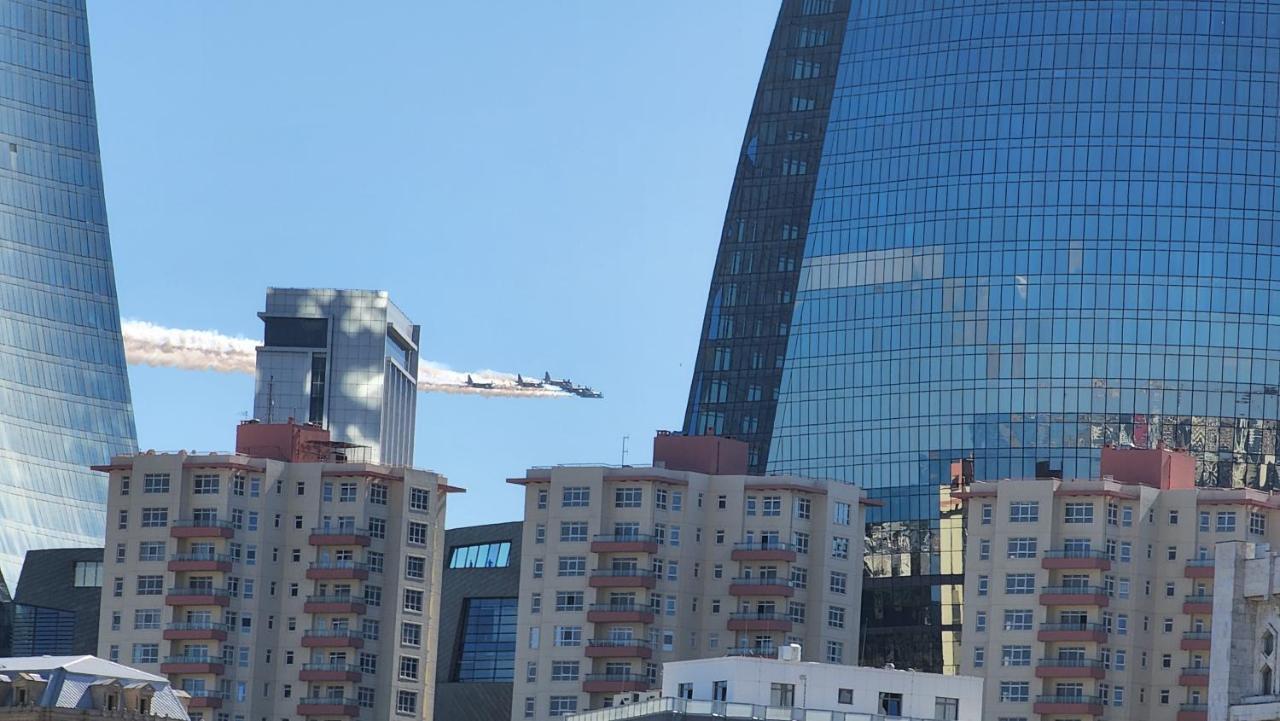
<point>547,383</point>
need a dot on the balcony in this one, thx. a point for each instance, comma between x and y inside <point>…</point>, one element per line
<point>1094,632</point>
<point>1198,603</point>
<point>206,699</point>
<point>1075,559</point>
<point>1195,641</point>
<point>196,631</point>
<point>623,543</point>
<point>1074,596</point>
<point>615,682</point>
<point>332,638</point>
<point>339,536</point>
<point>335,604</point>
<point>618,648</point>
<point>192,664</point>
<point>1069,668</point>
<point>201,528</point>
<point>1199,568</point>
<point>197,596</point>
<point>1068,705</point>
<point>337,571</point>
<point>1193,712</point>
<point>1194,676</point>
<point>753,651</point>
<point>200,562</point>
<point>622,578</point>
<point>619,613</point>
<point>762,586</point>
<point>329,672</point>
<point>760,621</point>
<point>328,706</point>
<point>763,551</point>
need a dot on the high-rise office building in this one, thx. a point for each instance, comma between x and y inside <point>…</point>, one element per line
<point>1034,229</point>
<point>64,394</point>
<point>346,360</point>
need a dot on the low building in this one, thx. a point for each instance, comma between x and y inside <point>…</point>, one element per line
<point>57,602</point>
<point>624,569</point>
<point>1244,676</point>
<point>789,688</point>
<point>279,581</point>
<point>67,688</point>
<point>479,590</point>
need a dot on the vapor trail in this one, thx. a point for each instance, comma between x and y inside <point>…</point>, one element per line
<point>205,350</point>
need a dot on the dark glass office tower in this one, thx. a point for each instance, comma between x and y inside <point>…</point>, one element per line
<point>64,394</point>
<point>1036,228</point>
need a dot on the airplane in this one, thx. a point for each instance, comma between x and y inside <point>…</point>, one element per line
<point>473,384</point>
<point>562,384</point>
<point>522,383</point>
<point>585,392</point>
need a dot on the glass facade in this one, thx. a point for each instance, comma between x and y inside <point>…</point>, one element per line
<point>64,392</point>
<point>1037,228</point>
<point>488,647</point>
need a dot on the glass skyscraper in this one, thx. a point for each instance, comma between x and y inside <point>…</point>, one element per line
<point>64,392</point>
<point>1036,228</point>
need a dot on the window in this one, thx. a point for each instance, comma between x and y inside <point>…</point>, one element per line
<point>1015,691</point>
<point>537,568</point>
<point>890,703</point>
<point>155,483</point>
<point>540,533</point>
<point>782,694</point>
<point>660,497</point>
<point>979,657</point>
<point>1171,553</point>
<point>835,616</point>
<point>369,627</point>
<point>1022,547</point>
<point>150,585</point>
<point>804,508</point>
<point>1126,551</point>
<point>146,653</point>
<point>411,635</point>
<point>88,574</point>
<point>124,485</point>
<point>413,600</point>
<point>146,619</point>
<point>799,577</point>
<point>842,514</point>
<point>1257,523</point>
<point>839,547</point>
<point>563,705</point>
<point>983,585</point>
<point>839,582</point>
<point>409,668</point>
<point>564,670</point>
<point>986,514</point>
<point>835,652</point>
<point>568,636</point>
<point>123,521</point>
<point>407,701</point>
<point>481,555</point>
<point>572,566</point>
<point>771,506</point>
<point>800,541</point>
<point>751,505</point>
<point>844,696</point>
<point>377,528</point>
<point>417,533</point>
<point>796,611</point>
<point>626,498</point>
<point>573,531</point>
<point>415,567</point>
<point>375,559</point>
<point>1078,513</point>
<point>1226,522</point>
<point>1015,656</point>
<point>576,497</point>
<point>1173,518</point>
<point>205,484</point>
<point>946,709</point>
<point>542,499</point>
<point>1018,620</point>
<point>1024,512</point>
<point>1204,521</point>
<point>155,517</point>
<point>347,492</point>
<point>489,633</point>
<point>980,621</point>
<point>1019,583</point>
<point>984,549</point>
<point>569,600</point>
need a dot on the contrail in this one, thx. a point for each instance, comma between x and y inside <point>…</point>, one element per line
<point>149,344</point>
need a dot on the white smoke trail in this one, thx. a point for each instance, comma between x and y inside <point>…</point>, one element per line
<point>205,350</point>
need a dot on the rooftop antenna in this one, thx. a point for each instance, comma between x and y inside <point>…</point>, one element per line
<point>624,449</point>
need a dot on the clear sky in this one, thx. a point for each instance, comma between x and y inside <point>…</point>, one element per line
<point>540,185</point>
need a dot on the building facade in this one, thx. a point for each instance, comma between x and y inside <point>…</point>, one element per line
<point>625,568</point>
<point>56,604</point>
<point>1244,676</point>
<point>1092,598</point>
<point>64,392</point>
<point>480,589</point>
<point>72,688</point>
<point>277,586</point>
<point>346,360</point>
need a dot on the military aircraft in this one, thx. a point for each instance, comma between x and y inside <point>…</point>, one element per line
<point>563,384</point>
<point>522,383</point>
<point>585,392</point>
<point>474,384</point>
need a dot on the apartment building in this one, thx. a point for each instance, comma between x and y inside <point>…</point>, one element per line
<point>1094,597</point>
<point>279,581</point>
<point>623,569</point>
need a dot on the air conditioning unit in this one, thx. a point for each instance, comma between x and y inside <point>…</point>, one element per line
<point>789,652</point>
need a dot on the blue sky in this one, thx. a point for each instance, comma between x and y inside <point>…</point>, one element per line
<point>540,185</point>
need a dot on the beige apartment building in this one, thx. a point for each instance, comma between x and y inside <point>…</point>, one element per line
<point>1092,598</point>
<point>623,569</point>
<point>283,581</point>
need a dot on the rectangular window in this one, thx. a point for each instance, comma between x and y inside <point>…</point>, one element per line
<point>1020,583</point>
<point>378,494</point>
<point>1257,523</point>
<point>151,551</point>
<point>482,555</point>
<point>1024,512</point>
<point>573,531</point>
<point>1078,513</point>
<point>660,498</point>
<point>569,600</point>
<point>155,483</point>
<point>986,514</point>
<point>627,498</point>
<point>565,670</point>
<point>150,586</point>
<point>771,506</point>
<point>572,566</point>
<point>146,653</point>
<point>415,568</point>
<point>406,702</point>
<point>205,484</point>
<point>155,517</point>
<point>1022,547</point>
<point>411,635</point>
<point>562,705</point>
<point>576,497</point>
<point>347,492</point>
<point>835,616</point>
<point>839,547</point>
<point>413,600</point>
<point>1015,691</point>
<point>1018,619</point>
<point>839,582</point>
<point>1226,522</point>
<point>88,574</point>
<point>409,668</point>
<point>146,619</point>
<point>568,636</point>
<point>804,508</point>
<point>1015,656</point>
<point>417,533</point>
<point>842,514</point>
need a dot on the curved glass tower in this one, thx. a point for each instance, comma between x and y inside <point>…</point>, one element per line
<point>64,393</point>
<point>1037,228</point>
